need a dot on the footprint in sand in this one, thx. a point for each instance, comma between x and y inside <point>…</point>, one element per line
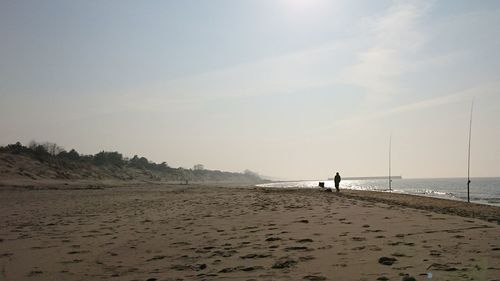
<point>314,278</point>
<point>399,254</point>
<point>255,256</point>
<point>224,254</point>
<point>284,262</point>
<point>307,240</point>
<point>72,261</point>
<point>240,268</point>
<point>358,239</point>
<point>34,273</point>
<point>435,253</point>
<point>298,248</point>
<point>158,257</point>
<point>270,239</point>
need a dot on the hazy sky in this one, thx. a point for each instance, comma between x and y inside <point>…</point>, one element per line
<point>295,89</point>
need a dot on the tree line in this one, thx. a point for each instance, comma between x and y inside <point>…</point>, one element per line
<point>51,152</point>
<point>48,151</point>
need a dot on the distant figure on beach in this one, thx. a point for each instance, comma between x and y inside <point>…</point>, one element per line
<point>337,181</point>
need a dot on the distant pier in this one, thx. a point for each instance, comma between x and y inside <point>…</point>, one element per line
<point>370,178</point>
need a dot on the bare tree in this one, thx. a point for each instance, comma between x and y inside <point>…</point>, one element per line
<point>198,167</point>
<point>50,147</point>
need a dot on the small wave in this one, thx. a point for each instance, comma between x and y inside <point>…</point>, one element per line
<point>493,201</point>
<point>434,192</point>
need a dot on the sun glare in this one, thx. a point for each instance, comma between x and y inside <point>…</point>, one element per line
<point>303,8</point>
<point>301,5</point>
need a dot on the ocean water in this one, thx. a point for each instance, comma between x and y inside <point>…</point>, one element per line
<point>482,190</point>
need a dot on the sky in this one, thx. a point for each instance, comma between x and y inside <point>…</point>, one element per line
<point>291,89</point>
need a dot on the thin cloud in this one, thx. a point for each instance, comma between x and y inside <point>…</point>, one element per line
<point>307,69</point>
<point>467,94</point>
<point>395,38</point>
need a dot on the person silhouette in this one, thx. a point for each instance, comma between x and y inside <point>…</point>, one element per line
<point>337,181</point>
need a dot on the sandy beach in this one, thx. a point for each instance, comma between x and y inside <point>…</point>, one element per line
<point>196,232</point>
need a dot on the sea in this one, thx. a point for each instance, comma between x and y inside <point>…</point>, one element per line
<point>482,190</point>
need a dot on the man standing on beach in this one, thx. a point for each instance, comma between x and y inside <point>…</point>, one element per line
<point>337,181</point>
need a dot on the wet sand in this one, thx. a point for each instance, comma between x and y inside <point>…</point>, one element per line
<point>171,232</point>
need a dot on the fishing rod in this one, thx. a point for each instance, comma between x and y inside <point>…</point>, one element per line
<point>390,147</point>
<point>468,157</point>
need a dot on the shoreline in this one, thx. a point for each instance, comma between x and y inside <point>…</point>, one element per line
<point>490,213</point>
<point>484,192</point>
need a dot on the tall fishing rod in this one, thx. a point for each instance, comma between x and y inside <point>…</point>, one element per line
<point>390,148</point>
<point>468,157</point>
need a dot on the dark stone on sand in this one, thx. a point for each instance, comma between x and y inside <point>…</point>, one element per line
<point>151,279</point>
<point>314,278</point>
<point>285,263</point>
<point>386,260</point>
<point>408,278</point>
<point>382,278</point>
<point>304,221</point>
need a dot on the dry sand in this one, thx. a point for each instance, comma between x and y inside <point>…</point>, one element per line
<point>173,232</point>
